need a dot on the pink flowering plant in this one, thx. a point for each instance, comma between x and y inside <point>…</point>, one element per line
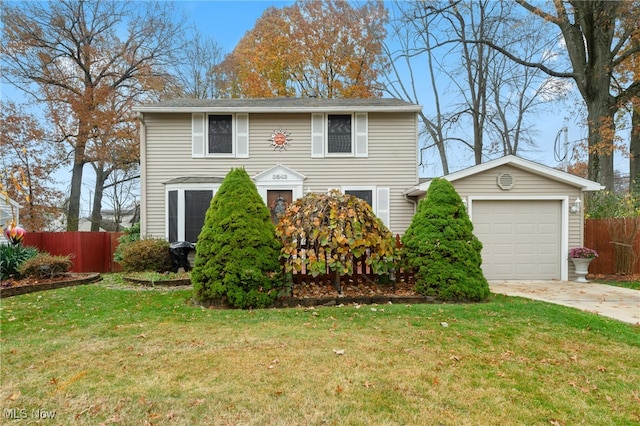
<point>582,253</point>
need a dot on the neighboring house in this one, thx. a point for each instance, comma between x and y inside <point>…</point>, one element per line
<point>289,146</point>
<point>525,214</point>
<point>9,211</point>
<point>112,222</point>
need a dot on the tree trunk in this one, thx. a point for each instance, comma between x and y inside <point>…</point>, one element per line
<point>96,211</point>
<point>634,153</point>
<point>73,214</point>
<point>601,131</point>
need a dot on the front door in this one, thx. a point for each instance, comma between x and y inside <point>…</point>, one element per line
<point>278,200</point>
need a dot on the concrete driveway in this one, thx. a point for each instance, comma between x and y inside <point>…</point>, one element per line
<point>619,303</point>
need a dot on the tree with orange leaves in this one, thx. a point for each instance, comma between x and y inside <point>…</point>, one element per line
<point>327,48</point>
<point>28,163</point>
<point>76,56</point>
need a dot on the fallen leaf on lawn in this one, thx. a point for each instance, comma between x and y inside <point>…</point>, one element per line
<point>338,351</point>
<point>573,357</point>
<point>602,368</point>
<point>339,389</point>
<point>196,402</point>
<point>15,395</point>
<point>369,385</point>
<point>454,358</point>
<point>141,336</point>
<point>274,362</point>
<point>436,381</point>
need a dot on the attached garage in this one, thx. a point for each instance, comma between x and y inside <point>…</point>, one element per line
<point>526,215</point>
<point>521,238</point>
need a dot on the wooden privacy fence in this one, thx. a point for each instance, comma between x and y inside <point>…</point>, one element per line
<point>617,242</point>
<point>89,251</point>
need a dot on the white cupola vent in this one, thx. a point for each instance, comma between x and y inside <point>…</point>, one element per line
<point>506,181</point>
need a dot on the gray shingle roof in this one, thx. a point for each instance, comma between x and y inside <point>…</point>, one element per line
<point>279,105</point>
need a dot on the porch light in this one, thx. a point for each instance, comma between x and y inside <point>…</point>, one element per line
<point>464,202</point>
<point>575,207</point>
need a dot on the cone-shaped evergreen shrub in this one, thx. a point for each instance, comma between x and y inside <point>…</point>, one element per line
<point>441,247</point>
<point>237,251</point>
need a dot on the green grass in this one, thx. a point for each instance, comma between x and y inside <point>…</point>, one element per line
<point>634,285</point>
<point>113,354</point>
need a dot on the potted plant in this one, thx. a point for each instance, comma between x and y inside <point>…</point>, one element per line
<point>581,258</point>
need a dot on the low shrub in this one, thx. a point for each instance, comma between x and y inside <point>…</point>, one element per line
<point>150,254</point>
<point>11,257</point>
<point>45,265</point>
<point>130,235</point>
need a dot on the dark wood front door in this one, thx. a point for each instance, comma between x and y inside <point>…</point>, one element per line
<point>278,200</point>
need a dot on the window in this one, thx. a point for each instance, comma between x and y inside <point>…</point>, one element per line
<point>186,209</point>
<point>340,135</point>
<point>363,194</point>
<point>378,199</point>
<point>220,135</point>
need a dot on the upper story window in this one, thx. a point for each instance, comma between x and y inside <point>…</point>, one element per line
<point>339,135</point>
<point>220,135</point>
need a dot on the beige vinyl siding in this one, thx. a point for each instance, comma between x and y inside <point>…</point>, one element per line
<point>526,184</point>
<point>391,160</point>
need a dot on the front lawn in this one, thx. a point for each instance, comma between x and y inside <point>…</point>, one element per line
<point>115,354</point>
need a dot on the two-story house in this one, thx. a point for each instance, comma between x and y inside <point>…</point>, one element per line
<point>289,146</point>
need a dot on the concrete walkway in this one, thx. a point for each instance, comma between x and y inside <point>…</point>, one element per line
<point>619,303</point>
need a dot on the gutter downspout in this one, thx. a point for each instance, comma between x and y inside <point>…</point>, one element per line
<point>143,175</point>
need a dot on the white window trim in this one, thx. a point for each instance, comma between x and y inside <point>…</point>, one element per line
<point>383,214</point>
<point>181,188</point>
<point>374,193</point>
<point>326,136</point>
<point>359,137</point>
<point>239,135</point>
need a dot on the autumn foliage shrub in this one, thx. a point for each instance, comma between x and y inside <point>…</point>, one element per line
<point>149,254</point>
<point>45,265</point>
<point>237,251</point>
<point>329,232</point>
<point>441,247</point>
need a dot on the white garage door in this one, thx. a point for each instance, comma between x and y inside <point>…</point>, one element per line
<point>521,239</point>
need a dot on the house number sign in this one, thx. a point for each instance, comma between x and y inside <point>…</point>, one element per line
<point>280,139</point>
<point>281,176</point>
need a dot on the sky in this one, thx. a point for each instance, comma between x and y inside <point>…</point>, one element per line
<point>227,21</point>
<point>242,16</point>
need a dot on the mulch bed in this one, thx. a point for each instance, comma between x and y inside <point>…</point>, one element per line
<point>13,287</point>
<point>617,277</point>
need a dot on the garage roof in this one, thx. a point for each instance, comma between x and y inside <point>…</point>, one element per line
<point>520,163</point>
